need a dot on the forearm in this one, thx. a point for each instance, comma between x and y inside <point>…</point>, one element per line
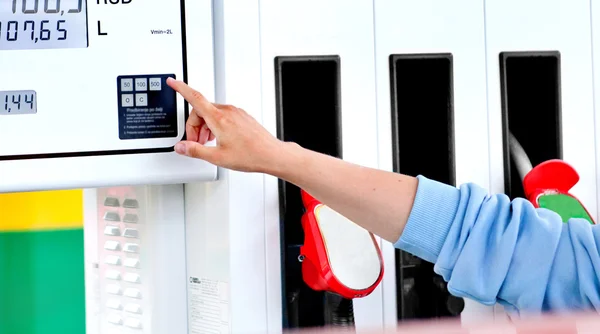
<point>379,201</point>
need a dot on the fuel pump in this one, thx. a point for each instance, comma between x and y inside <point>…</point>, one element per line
<point>547,185</point>
<point>339,258</point>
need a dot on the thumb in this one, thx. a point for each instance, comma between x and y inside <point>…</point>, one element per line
<point>195,150</point>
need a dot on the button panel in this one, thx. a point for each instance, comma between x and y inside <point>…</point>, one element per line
<point>147,110</point>
<point>120,236</point>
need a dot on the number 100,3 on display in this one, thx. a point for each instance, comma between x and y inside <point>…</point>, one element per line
<point>18,102</point>
<point>42,24</point>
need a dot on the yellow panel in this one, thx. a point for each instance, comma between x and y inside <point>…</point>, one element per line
<point>41,210</point>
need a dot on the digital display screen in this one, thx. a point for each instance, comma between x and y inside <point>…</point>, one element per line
<point>18,102</point>
<point>43,24</point>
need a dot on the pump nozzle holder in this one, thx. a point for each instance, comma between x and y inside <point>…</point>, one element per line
<point>338,256</point>
<point>547,185</point>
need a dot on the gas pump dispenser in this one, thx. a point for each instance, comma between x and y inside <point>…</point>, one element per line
<point>84,104</point>
<point>547,185</point>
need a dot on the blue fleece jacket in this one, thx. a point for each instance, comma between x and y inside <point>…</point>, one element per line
<point>492,250</point>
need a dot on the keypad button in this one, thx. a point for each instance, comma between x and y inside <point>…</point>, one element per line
<point>113,259</point>
<point>112,245</point>
<point>132,263</point>
<point>113,289</point>
<point>115,319</point>
<point>113,274</point>
<point>114,304</point>
<point>130,218</point>
<point>133,323</point>
<point>127,85</point>
<point>133,308</point>
<point>127,100</point>
<point>155,84</point>
<point>133,293</point>
<point>141,84</point>
<point>112,231</point>
<point>132,278</point>
<point>131,233</point>
<point>111,201</point>
<point>130,203</point>
<point>112,216</point>
<point>131,248</point>
<point>141,100</point>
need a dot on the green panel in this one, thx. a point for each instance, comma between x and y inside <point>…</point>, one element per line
<point>42,286</point>
<point>566,206</point>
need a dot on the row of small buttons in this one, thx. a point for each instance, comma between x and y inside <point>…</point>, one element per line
<point>115,289</point>
<point>129,218</point>
<point>131,308</point>
<point>116,261</point>
<point>128,203</point>
<point>141,100</point>
<point>115,231</point>
<point>129,277</point>
<point>141,84</point>
<point>114,245</point>
<point>131,322</point>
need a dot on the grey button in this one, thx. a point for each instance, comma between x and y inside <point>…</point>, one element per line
<point>127,85</point>
<point>141,84</point>
<point>127,100</point>
<point>130,218</point>
<point>131,233</point>
<point>130,203</point>
<point>132,263</point>
<point>112,216</point>
<point>111,201</point>
<point>141,100</point>
<point>112,245</point>
<point>133,308</point>
<point>131,248</point>
<point>155,84</point>
<point>112,231</point>
<point>133,293</point>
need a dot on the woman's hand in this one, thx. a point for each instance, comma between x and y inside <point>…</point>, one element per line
<point>376,200</point>
<point>242,143</point>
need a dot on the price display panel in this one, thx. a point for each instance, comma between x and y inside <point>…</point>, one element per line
<point>89,77</point>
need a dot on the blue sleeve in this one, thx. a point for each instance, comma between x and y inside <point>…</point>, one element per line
<point>494,250</point>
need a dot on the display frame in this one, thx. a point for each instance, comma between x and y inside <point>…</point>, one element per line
<point>6,26</point>
<point>92,153</point>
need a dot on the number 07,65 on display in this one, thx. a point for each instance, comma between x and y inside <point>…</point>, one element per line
<point>43,24</point>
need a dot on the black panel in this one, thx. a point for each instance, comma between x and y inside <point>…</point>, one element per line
<point>531,110</point>
<point>423,144</point>
<point>308,113</point>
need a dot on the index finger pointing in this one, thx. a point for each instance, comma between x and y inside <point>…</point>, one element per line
<point>193,97</point>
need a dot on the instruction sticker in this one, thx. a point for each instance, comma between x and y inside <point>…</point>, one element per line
<point>208,306</point>
<point>147,107</point>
